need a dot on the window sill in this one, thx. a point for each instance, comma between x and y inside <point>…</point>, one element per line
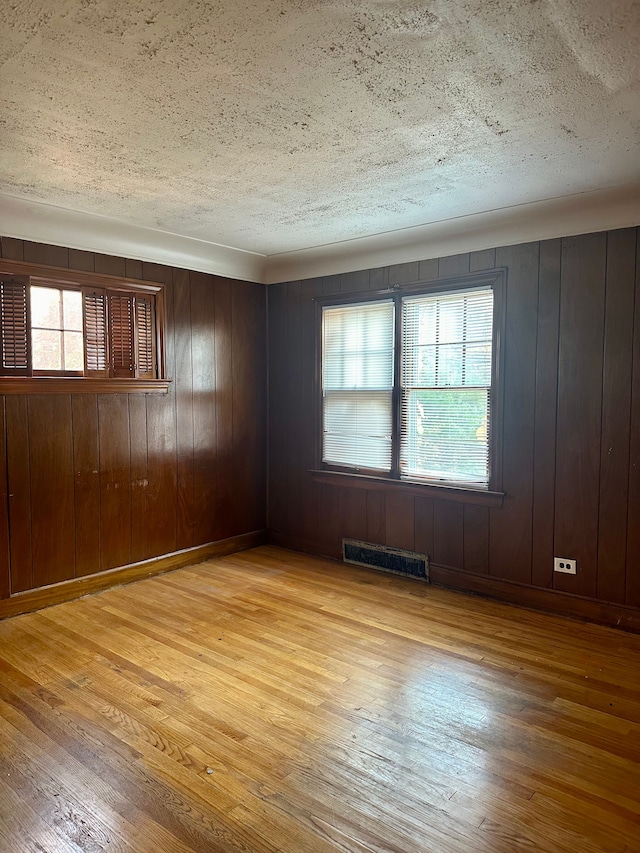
<point>81,385</point>
<point>458,494</point>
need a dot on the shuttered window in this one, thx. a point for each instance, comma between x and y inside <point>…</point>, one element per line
<point>121,335</point>
<point>95,332</point>
<point>48,329</point>
<point>407,385</point>
<point>145,338</point>
<point>14,326</point>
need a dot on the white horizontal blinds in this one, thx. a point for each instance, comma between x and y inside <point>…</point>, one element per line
<point>446,386</point>
<point>357,384</point>
<point>14,327</point>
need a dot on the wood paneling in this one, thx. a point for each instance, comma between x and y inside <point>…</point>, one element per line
<point>161,510</point>
<point>580,361</point>
<point>52,488</point>
<point>448,533</point>
<point>115,480</point>
<point>247,382</point>
<point>475,541</point>
<point>616,416</point>
<point>571,446</point>
<point>140,539</point>
<point>86,469</point>
<point>183,382</point>
<point>633,510</point>
<point>205,415</point>
<point>100,481</point>
<point>400,522</point>
<point>19,484</point>
<point>511,526</point>
<point>279,352</point>
<point>228,479</point>
<point>546,395</point>
<point>5,563</point>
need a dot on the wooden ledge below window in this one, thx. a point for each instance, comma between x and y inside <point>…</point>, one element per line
<point>458,494</point>
<point>81,385</point>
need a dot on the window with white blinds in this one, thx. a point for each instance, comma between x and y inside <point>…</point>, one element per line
<point>357,384</point>
<point>435,426</point>
<point>446,386</point>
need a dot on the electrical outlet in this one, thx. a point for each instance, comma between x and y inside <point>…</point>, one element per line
<point>567,567</point>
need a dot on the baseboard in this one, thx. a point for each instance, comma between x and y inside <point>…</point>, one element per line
<point>36,599</point>
<point>307,546</point>
<point>537,598</point>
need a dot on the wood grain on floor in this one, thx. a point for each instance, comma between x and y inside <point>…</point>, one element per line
<point>271,701</point>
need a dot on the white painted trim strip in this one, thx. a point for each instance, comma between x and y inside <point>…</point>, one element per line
<point>46,223</point>
<point>582,213</point>
<point>561,217</point>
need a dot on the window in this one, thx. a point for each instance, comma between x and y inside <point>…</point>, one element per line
<point>53,329</point>
<point>409,385</point>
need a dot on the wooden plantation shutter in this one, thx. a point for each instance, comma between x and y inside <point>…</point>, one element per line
<point>15,350</point>
<point>121,335</point>
<point>145,337</point>
<point>132,344</point>
<point>96,362</point>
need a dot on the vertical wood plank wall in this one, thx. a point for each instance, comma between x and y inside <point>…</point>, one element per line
<point>97,481</point>
<point>571,448</point>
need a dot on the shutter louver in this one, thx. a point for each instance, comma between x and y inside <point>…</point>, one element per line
<point>14,327</point>
<point>357,385</point>
<point>145,348</point>
<point>121,336</point>
<point>446,386</point>
<point>95,332</point>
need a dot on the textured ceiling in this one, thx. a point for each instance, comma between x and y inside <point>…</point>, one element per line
<point>272,126</point>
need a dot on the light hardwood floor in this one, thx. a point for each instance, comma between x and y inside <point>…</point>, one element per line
<point>270,701</point>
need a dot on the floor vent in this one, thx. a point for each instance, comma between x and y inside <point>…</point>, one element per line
<point>387,559</point>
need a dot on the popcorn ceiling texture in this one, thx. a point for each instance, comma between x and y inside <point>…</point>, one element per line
<point>276,125</point>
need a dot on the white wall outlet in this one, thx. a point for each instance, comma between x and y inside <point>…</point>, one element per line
<point>567,567</point>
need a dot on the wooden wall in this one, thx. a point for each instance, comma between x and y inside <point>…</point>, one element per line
<point>97,481</point>
<point>571,449</point>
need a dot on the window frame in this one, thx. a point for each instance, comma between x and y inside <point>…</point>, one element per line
<point>332,474</point>
<point>65,382</point>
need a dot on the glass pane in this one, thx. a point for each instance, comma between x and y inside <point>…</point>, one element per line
<point>47,349</point>
<point>72,310</point>
<point>73,351</point>
<point>358,346</point>
<point>357,429</point>
<point>446,435</point>
<point>45,307</point>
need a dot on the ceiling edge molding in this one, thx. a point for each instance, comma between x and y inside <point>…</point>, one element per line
<point>561,217</point>
<point>45,223</point>
<point>567,216</point>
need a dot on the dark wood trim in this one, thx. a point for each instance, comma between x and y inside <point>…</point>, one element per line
<point>81,385</point>
<point>457,494</point>
<point>536,598</point>
<point>36,599</point>
<point>435,285</point>
<point>59,275</point>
